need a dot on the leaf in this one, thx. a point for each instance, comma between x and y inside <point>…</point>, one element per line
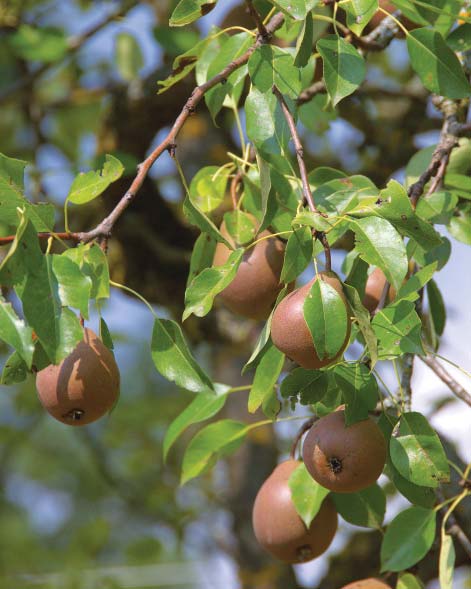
<point>200,294</point>
<point>221,437</point>
<point>365,508</point>
<point>460,224</point>
<point>398,329</point>
<point>105,335</point>
<point>364,322</point>
<point>359,389</point>
<point>409,581</point>
<point>15,332</point>
<point>446,563</point>
<point>306,386</point>
<point>344,67</point>
<point>304,42</point>
<point>241,226</point>
<point>196,216</point>
<point>74,286</point>
<point>183,65</point>
<point>89,185</point>
<point>408,538</point>
<point>359,14</point>
<point>208,188</point>
<point>325,314</point>
<point>93,263</point>
<point>298,9</point>
<point>298,254</point>
<point>271,66</point>
<point>307,495</point>
<point>437,65</point>
<point>14,370</point>
<point>460,38</point>
<point>202,255</point>
<point>417,453</point>
<point>266,376</point>
<point>437,307</point>
<point>203,406</point>
<point>188,11</point>
<point>44,44</point>
<point>437,207</point>
<point>439,254</point>
<point>173,359</point>
<point>128,56</point>
<point>379,244</point>
<point>410,290</point>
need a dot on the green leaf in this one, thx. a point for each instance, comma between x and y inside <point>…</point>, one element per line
<point>202,255</point>
<point>45,44</point>
<point>344,67</point>
<point>307,495</point>
<point>15,332</point>
<point>14,370</point>
<point>298,254</point>
<point>364,321</point>
<point>408,538</point>
<point>325,314</point>
<point>196,216</point>
<point>437,207</point>
<point>208,188</point>
<point>306,386</point>
<point>105,335</point>
<point>410,290</point>
<point>437,65</point>
<point>359,14</point>
<point>298,9</point>
<point>266,375</point>
<point>446,563</point>
<point>209,443</point>
<point>359,389</point>
<point>128,56</point>
<point>173,359</point>
<point>460,224</point>
<point>417,453</point>
<point>188,11</point>
<point>73,284</point>
<point>271,66</point>
<point>409,581</point>
<point>439,254</point>
<point>437,307</point>
<point>202,407</point>
<point>183,65</point>
<point>379,244</point>
<point>89,185</point>
<point>398,329</point>
<point>304,42</point>
<point>460,38</point>
<point>12,172</point>
<point>365,508</point>
<point>241,226</point>
<point>93,263</point>
<point>199,296</point>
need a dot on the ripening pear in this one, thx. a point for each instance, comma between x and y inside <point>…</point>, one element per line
<point>84,386</point>
<point>374,289</point>
<point>369,583</point>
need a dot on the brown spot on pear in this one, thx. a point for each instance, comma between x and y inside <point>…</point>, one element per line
<point>84,386</point>
<point>256,284</point>
<point>369,583</point>
<point>344,459</point>
<point>289,330</point>
<point>278,527</point>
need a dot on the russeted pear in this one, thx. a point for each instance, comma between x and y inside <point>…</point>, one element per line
<point>256,284</point>
<point>278,527</point>
<point>374,289</point>
<point>289,330</point>
<point>84,386</point>
<point>369,583</point>
<point>344,459</point>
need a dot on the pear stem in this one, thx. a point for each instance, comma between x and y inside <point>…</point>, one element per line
<point>306,426</point>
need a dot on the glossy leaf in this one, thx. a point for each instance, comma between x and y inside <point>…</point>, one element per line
<point>306,494</point>
<point>364,322</point>
<point>437,307</point>
<point>437,207</point>
<point>417,453</point>
<point>359,13</point>
<point>344,67</point>
<point>74,286</point>
<point>202,407</point>
<point>197,217</point>
<point>14,370</point>
<point>209,443</point>
<point>298,254</point>
<point>365,508</point>
<point>408,538</point>
<point>173,359</point>
<point>241,226</point>
<point>200,294</point>
<point>266,376</point>
<point>306,386</point>
<point>202,255</point>
<point>460,224</point>
<point>437,65</point>
<point>188,11</point>
<point>326,316</point>
<point>305,42</point>
<point>271,66</point>
<point>359,389</point>
<point>93,263</point>
<point>398,329</point>
<point>89,185</point>
<point>460,38</point>
<point>208,188</point>
<point>410,290</point>
<point>298,9</point>
<point>15,332</point>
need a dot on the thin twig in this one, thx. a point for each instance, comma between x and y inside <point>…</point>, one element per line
<point>262,31</point>
<point>322,237</point>
<point>406,379</point>
<point>454,386</point>
<point>104,228</point>
<point>66,236</point>
<point>306,426</point>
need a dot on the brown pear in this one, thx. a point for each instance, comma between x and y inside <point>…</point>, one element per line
<point>369,583</point>
<point>256,284</point>
<point>344,459</point>
<point>84,386</point>
<point>289,330</point>
<point>278,527</point>
<point>374,289</point>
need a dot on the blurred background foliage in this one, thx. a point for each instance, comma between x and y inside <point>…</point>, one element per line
<point>96,507</point>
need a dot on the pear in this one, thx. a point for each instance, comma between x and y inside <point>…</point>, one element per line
<point>278,527</point>
<point>256,284</point>
<point>374,289</point>
<point>369,583</point>
<point>344,459</point>
<point>289,330</point>
<point>84,386</point>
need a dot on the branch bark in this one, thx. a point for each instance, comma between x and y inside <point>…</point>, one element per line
<point>446,377</point>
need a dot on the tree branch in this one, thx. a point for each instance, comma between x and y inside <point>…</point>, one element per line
<point>66,236</point>
<point>446,377</point>
<point>262,31</point>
